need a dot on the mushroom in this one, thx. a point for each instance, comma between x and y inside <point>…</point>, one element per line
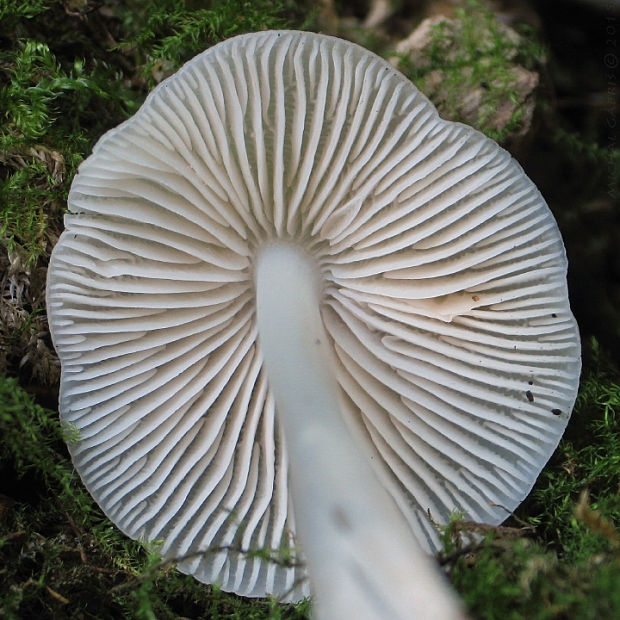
<point>285,258</point>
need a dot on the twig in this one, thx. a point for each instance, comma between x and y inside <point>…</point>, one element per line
<point>163,564</point>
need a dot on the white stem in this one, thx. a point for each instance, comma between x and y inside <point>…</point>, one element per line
<point>362,558</point>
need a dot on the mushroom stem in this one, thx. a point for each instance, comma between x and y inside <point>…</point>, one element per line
<point>363,560</point>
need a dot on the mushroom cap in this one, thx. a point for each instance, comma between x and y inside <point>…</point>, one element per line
<point>443,293</point>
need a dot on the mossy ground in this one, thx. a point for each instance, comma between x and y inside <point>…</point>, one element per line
<point>71,69</point>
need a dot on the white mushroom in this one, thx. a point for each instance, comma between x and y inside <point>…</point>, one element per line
<point>287,226</point>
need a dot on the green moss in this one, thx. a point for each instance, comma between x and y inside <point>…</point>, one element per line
<point>588,459</point>
<point>170,32</point>
<point>599,165</point>
<point>60,557</point>
<point>52,113</point>
<point>13,10</point>
<point>28,432</point>
<point>68,76</point>
<point>561,557</point>
<point>523,580</point>
<point>476,70</point>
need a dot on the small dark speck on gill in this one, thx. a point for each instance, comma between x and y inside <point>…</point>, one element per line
<point>530,396</point>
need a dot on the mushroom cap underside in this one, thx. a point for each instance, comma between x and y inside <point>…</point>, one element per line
<point>444,296</point>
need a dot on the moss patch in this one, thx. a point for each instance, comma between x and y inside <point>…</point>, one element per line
<point>475,69</point>
<point>559,556</point>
